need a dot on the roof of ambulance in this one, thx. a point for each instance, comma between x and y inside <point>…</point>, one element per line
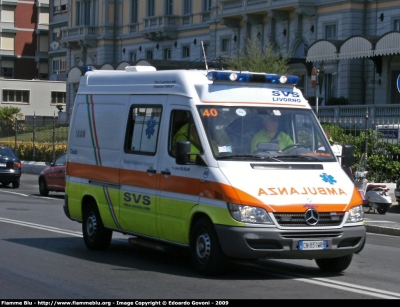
<point>189,83</point>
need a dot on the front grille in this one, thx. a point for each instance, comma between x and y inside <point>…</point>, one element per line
<point>298,220</point>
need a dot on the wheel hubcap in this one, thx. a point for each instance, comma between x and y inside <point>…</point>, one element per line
<point>91,226</point>
<point>203,247</point>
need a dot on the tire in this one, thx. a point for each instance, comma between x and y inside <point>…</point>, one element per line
<point>43,187</point>
<point>5,183</point>
<point>338,264</point>
<point>206,254</point>
<point>95,235</point>
<point>383,208</point>
<point>15,184</point>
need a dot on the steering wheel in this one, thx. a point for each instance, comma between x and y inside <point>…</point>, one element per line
<point>294,145</point>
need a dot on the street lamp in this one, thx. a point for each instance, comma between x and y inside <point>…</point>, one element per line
<point>320,80</point>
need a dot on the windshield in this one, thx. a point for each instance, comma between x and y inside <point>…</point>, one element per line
<point>272,134</point>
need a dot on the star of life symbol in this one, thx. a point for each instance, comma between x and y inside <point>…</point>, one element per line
<point>151,123</point>
<point>328,178</point>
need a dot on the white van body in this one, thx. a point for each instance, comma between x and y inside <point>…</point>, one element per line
<point>210,191</point>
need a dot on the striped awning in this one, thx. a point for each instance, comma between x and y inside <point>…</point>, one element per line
<point>388,44</point>
<point>323,50</point>
<point>356,47</point>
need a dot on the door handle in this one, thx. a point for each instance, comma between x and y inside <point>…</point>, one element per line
<point>166,172</point>
<point>152,171</point>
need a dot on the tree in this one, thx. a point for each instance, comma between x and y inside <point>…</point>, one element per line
<point>254,57</point>
<point>7,119</point>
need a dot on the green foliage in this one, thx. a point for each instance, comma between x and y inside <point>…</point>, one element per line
<point>43,151</point>
<point>257,58</point>
<point>383,158</point>
<point>7,119</point>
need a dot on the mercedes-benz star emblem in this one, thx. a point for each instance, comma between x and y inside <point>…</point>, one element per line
<point>312,217</point>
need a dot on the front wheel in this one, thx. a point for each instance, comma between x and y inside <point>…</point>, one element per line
<point>338,264</point>
<point>95,235</point>
<point>205,251</point>
<point>43,187</point>
<point>383,208</point>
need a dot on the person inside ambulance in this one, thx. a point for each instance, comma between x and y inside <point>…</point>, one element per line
<point>188,132</point>
<point>270,133</point>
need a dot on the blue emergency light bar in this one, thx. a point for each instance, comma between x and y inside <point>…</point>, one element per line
<point>248,77</point>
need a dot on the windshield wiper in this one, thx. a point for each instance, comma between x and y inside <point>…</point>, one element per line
<point>258,157</point>
<point>299,157</point>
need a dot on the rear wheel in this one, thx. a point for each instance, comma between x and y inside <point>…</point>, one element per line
<point>95,235</point>
<point>43,187</point>
<point>338,264</point>
<point>383,208</point>
<point>15,184</point>
<point>205,251</point>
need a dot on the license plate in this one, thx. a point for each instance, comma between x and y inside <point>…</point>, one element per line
<point>2,165</point>
<point>310,245</point>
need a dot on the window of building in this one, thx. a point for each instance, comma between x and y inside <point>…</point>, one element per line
<point>15,96</point>
<point>149,54</point>
<point>187,7</point>
<point>150,8</point>
<point>83,13</point>
<point>59,66</point>
<point>132,56</point>
<point>7,41</point>
<point>185,52</point>
<point>7,13</point>
<point>134,11</point>
<point>226,45</point>
<point>60,7</point>
<point>78,61</point>
<point>143,130</point>
<point>206,5</point>
<point>58,97</point>
<point>330,31</point>
<point>7,72</point>
<point>167,54</point>
<point>169,10</point>
<point>396,24</point>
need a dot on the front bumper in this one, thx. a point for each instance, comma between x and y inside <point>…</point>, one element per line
<point>274,243</point>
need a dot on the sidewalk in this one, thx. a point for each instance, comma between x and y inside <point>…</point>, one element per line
<point>381,226</point>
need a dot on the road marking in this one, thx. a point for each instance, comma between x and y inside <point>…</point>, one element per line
<point>15,193</point>
<point>42,227</point>
<point>324,282</point>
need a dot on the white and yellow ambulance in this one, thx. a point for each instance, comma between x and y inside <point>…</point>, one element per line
<point>184,157</point>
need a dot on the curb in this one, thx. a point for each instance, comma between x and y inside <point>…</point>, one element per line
<point>383,230</point>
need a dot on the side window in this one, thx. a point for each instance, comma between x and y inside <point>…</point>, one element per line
<point>183,128</point>
<point>143,129</point>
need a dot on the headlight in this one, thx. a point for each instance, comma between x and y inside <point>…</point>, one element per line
<point>356,214</point>
<point>249,214</point>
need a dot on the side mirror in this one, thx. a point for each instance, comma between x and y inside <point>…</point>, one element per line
<point>347,155</point>
<point>182,152</point>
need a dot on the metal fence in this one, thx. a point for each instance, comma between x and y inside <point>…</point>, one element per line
<point>37,138</point>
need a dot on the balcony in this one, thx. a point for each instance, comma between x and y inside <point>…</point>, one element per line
<point>76,37</point>
<point>159,28</point>
<point>240,6</point>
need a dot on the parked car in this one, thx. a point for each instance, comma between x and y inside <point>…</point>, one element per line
<point>10,167</point>
<point>52,178</point>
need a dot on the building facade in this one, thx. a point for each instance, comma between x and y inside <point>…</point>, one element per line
<point>355,43</point>
<point>24,39</point>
